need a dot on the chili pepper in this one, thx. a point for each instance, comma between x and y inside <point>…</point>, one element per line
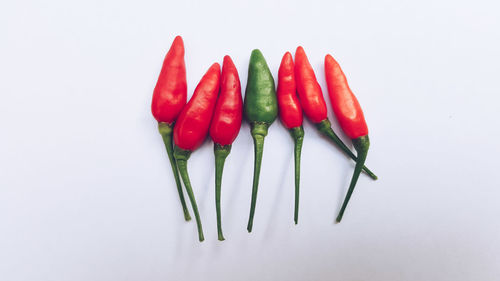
<point>192,127</point>
<point>225,126</point>
<point>351,119</point>
<point>261,109</point>
<point>290,113</point>
<point>313,103</point>
<point>169,97</point>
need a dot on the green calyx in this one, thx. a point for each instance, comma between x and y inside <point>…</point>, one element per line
<point>361,145</point>
<point>259,128</point>
<point>261,104</point>
<point>221,152</point>
<point>325,127</point>
<point>258,131</point>
<point>297,134</point>
<point>181,156</point>
<point>166,133</point>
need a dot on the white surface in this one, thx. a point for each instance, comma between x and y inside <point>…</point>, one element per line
<point>87,192</point>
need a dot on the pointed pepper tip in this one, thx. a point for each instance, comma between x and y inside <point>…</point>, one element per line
<point>256,54</point>
<point>286,63</point>
<point>228,62</point>
<point>178,41</point>
<point>300,51</point>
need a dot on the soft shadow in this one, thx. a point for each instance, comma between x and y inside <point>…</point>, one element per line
<point>209,175</point>
<point>241,156</point>
<point>347,169</point>
<point>235,186</point>
<point>347,172</point>
<point>182,227</point>
<point>269,232</point>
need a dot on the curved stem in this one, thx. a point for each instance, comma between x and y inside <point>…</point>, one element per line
<point>259,131</point>
<point>298,136</point>
<point>361,145</point>
<point>221,152</point>
<point>325,128</point>
<point>181,156</point>
<point>166,133</point>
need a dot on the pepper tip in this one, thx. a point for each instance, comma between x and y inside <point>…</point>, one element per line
<point>287,58</point>
<point>178,40</point>
<point>256,53</point>
<point>228,63</point>
<point>329,59</point>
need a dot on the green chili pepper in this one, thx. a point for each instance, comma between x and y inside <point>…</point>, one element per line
<point>261,109</point>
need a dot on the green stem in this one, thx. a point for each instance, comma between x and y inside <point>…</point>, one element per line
<point>325,128</point>
<point>221,152</point>
<point>361,145</point>
<point>298,136</point>
<point>181,156</point>
<point>259,131</point>
<point>166,133</point>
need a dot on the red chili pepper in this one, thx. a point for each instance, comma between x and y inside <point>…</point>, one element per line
<point>192,127</point>
<point>310,94</point>
<point>290,113</point>
<point>311,99</point>
<point>170,93</point>
<point>345,105</point>
<point>351,119</point>
<point>169,97</point>
<point>225,126</point>
<point>228,114</point>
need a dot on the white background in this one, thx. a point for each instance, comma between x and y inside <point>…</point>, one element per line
<point>86,191</point>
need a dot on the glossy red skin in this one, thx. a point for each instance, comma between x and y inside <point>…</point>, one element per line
<point>191,127</point>
<point>345,105</point>
<point>289,107</point>
<point>170,93</point>
<point>310,94</point>
<point>226,122</point>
